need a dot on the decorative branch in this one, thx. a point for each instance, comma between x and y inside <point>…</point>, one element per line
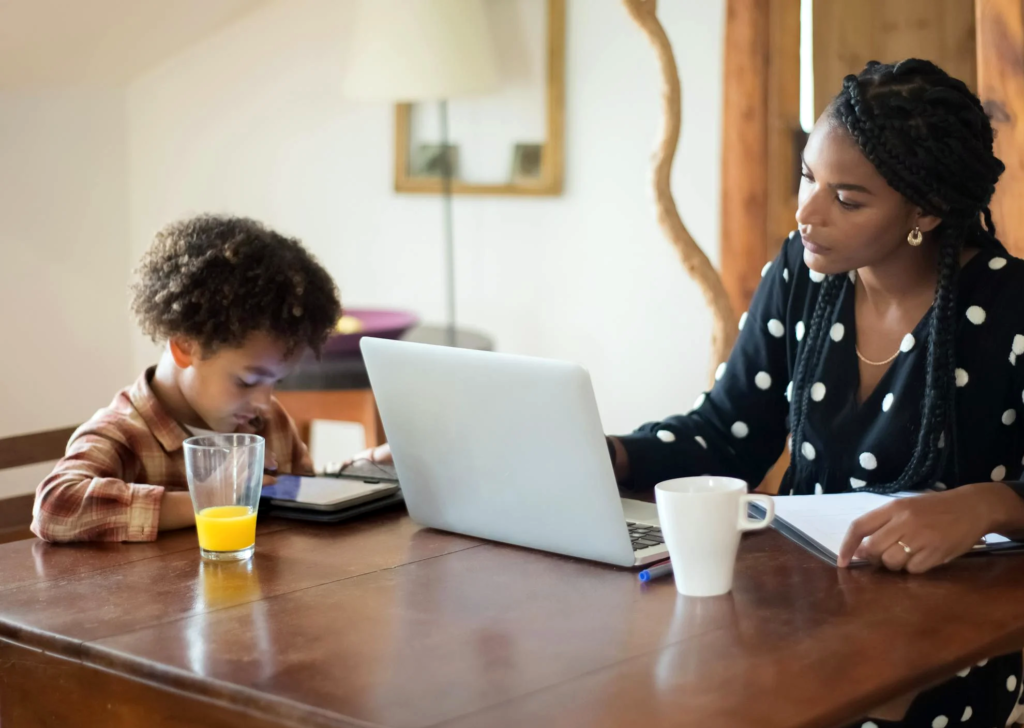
<point>694,260</point>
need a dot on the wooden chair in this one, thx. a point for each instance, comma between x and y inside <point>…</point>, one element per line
<point>16,452</point>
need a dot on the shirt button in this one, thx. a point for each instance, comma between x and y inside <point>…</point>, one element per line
<point>666,436</point>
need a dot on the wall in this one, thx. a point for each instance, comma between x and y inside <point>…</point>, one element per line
<point>251,121</point>
<point>64,261</point>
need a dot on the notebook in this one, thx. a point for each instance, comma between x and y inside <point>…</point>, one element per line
<point>820,522</point>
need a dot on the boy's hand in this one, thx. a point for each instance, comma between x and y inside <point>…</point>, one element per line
<point>380,455</point>
<point>176,511</point>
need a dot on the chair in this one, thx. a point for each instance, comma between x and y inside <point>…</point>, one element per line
<point>16,452</point>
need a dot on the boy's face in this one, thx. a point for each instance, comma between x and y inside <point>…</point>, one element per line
<point>232,386</point>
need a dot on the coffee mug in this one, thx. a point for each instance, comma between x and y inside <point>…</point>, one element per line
<point>701,520</point>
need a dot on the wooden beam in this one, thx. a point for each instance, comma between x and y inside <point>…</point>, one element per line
<point>1000,44</point>
<point>785,138</point>
<point>849,33</point>
<point>38,447</point>
<point>745,149</point>
<point>760,138</point>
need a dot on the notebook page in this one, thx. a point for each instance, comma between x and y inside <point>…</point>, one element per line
<point>826,518</point>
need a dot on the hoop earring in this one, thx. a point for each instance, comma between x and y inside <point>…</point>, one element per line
<point>915,237</point>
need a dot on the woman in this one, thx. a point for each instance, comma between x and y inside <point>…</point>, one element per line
<point>885,337</point>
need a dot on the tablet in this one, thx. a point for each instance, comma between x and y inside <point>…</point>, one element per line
<point>323,494</point>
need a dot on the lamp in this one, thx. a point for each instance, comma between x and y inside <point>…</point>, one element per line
<point>404,51</point>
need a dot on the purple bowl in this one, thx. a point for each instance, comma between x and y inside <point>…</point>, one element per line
<point>378,323</point>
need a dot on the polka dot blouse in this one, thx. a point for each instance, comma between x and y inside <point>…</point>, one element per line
<point>740,428</point>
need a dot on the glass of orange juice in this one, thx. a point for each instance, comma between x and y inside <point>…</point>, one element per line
<point>225,477</point>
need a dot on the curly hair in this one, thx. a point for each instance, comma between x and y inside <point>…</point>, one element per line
<point>217,280</point>
<point>930,138</point>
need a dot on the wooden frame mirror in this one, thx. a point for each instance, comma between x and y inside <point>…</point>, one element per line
<point>549,175</point>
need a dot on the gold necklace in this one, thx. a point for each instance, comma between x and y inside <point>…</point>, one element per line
<point>876,363</point>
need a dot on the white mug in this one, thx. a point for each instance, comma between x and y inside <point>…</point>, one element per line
<point>701,520</point>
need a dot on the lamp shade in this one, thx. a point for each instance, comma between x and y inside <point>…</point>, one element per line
<point>420,50</point>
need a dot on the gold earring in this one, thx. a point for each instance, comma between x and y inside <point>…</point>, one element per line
<point>915,237</point>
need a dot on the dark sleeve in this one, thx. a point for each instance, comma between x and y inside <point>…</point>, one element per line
<point>739,428</point>
<point>1015,334</point>
<point>1017,486</point>
<point>1017,362</point>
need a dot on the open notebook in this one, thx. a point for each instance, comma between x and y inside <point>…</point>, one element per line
<point>820,522</point>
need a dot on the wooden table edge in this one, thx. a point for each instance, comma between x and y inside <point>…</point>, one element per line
<point>286,712</point>
<point>250,700</point>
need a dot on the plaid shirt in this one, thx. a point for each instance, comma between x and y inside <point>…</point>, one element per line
<point>118,464</point>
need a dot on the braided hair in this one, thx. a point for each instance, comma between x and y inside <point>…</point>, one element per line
<point>930,138</point>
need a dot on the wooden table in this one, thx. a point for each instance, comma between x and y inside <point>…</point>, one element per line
<point>382,623</point>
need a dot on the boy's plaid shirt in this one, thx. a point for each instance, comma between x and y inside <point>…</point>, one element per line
<point>117,465</point>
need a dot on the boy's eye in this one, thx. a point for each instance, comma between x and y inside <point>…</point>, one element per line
<point>244,384</point>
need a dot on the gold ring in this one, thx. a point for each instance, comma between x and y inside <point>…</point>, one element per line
<point>906,549</point>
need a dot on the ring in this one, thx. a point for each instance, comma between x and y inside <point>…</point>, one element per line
<point>906,548</point>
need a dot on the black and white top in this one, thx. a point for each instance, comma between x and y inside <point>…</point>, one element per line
<point>740,428</point>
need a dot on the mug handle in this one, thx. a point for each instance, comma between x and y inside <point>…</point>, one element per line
<point>746,523</point>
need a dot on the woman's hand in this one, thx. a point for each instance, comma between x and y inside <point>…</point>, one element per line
<point>935,528</point>
<point>380,455</point>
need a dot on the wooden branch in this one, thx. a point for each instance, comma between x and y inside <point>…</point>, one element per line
<point>695,261</point>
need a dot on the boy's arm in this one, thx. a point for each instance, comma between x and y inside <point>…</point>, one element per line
<point>86,499</point>
<point>301,461</point>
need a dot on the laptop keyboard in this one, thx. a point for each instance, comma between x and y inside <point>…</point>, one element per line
<point>643,537</point>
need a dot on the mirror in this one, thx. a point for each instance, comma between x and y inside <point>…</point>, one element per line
<point>504,143</point>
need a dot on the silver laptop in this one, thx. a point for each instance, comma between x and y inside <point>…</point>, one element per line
<point>506,448</point>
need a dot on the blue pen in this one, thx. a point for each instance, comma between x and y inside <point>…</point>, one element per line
<point>654,572</point>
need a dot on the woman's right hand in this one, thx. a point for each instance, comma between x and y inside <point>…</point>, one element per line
<point>381,455</point>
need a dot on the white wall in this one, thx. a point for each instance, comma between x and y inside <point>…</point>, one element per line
<point>251,121</point>
<point>64,261</point>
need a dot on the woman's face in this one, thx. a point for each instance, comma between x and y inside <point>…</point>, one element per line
<point>849,216</point>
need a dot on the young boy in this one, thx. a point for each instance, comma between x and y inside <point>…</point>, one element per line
<point>236,305</point>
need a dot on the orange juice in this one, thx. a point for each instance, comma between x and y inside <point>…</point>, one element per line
<point>226,528</point>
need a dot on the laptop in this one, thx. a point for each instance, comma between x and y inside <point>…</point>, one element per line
<point>506,448</point>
